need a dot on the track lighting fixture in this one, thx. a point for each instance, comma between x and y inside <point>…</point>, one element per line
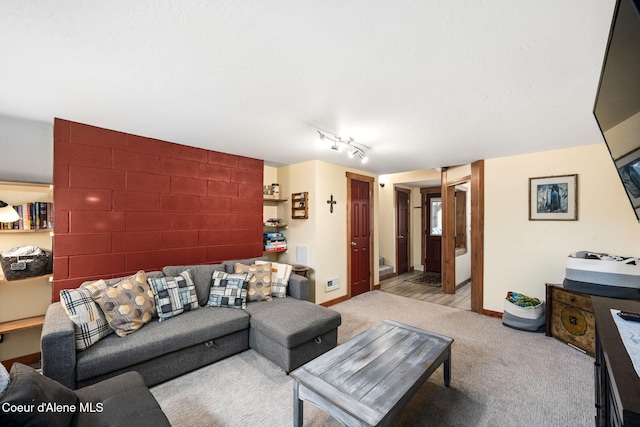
<point>353,148</point>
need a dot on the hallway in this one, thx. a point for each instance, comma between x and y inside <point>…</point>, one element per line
<point>399,285</point>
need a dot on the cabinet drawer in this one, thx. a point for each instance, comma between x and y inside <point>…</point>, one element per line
<point>583,302</point>
<point>573,325</point>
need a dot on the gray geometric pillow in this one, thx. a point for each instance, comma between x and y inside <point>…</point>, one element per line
<point>228,290</point>
<point>174,295</point>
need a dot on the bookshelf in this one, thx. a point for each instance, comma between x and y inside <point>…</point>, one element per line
<point>270,232</point>
<point>23,302</point>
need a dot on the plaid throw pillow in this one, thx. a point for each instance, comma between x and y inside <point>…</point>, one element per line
<point>89,321</point>
<point>174,295</point>
<point>280,274</point>
<point>228,290</point>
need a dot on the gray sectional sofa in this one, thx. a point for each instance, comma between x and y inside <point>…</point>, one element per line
<point>289,331</point>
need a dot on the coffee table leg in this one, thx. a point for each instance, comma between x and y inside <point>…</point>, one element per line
<point>447,370</point>
<point>297,406</point>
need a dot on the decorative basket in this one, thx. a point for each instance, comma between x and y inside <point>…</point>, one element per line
<point>22,267</point>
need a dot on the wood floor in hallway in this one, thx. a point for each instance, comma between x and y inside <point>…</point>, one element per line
<point>399,285</point>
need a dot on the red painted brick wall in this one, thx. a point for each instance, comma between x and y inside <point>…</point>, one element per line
<point>125,203</point>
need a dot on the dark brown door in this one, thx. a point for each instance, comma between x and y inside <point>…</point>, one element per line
<point>433,232</point>
<point>360,232</point>
<point>402,231</point>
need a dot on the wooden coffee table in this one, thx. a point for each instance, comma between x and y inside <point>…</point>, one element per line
<point>370,378</point>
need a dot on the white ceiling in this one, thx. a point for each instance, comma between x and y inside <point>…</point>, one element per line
<point>423,83</point>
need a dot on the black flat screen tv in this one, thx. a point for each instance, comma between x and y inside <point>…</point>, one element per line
<point>617,106</point>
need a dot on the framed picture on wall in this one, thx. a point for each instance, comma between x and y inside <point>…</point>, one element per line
<point>553,198</point>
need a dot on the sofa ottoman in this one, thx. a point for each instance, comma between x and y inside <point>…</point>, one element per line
<point>290,332</point>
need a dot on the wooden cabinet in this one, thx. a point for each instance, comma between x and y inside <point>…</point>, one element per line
<point>23,302</point>
<point>570,318</point>
<point>617,385</point>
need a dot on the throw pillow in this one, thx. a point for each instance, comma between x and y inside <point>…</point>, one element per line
<point>228,290</point>
<point>128,305</point>
<point>4,379</point>
<point>259,288</point>
<point>280,274</point>
<point>174,295</point>
<point>89,321</point>
<point>31,389</point>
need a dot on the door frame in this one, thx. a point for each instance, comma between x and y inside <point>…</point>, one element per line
<point>424,192</point>
<point>477,234</point>
<point>408,193</point>
<point>357,177</point>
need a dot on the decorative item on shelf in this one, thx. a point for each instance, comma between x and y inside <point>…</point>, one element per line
<point>274,222</point>
<point>267,192</point>
<point>299,205</point>
<point>553,198</point>
<point>275,189</point>
<point>8,213</point>
<point>25,261</point>
<point>354,149</point>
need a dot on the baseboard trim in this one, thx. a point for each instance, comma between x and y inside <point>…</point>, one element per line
<point>376,287</point>
<point>461,284</point>
<point>387,276</point>
<point>492,313</point>
<point>334,301</point>
<point>29,359</point>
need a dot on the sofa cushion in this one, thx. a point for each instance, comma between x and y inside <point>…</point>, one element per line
<point>259,288</point>
<point>30,389</point>
<point>158,338</point>
<point>174,295</point>
<point>127,305</point>
<point>230,265</point>
<point>280,274</point>
<point>201,276</point>
<point>89,321</point>
<point>292,322</point>
<point>228,290</point>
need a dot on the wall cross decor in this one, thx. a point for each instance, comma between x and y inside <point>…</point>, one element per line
<point>331,202</point>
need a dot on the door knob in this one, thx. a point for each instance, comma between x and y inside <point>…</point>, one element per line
<point>353,243</point>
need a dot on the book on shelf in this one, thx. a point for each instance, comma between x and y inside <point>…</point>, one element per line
<point>33,216</point>
<point>275,249</point>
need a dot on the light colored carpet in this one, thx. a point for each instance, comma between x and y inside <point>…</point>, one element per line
<point>500,377</point>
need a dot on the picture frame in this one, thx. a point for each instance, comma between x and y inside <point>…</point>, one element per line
<point>628,167</point>
<point>553,198</point>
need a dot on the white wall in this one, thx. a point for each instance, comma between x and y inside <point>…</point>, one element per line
<point>323,233</point>
<point>27,150</point>
<point>522,255</point>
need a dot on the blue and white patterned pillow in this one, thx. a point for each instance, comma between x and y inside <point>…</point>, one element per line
<point>174,295</point>
<point>228,290</point>
<point>89,320</point>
